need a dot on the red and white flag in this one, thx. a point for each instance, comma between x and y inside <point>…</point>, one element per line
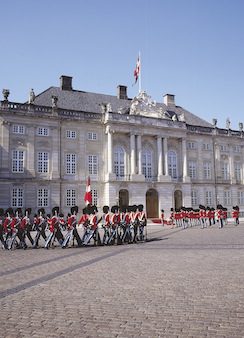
<point>88,194</point>
<point>137,69</point>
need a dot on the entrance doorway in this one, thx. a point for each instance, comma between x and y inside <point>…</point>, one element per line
<point>123,198</point>
<point>152,203</point>
<point>178,199</point>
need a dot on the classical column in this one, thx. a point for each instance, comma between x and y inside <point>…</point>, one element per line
<point>166,168</point>
<point>132,154</point>
<point>139,153</point>
<point>160,157</point>
<point>110,150</point>
<point>31,151</point>
<point>185,176</point>
<point>4,160</point>
<point>231,166</point>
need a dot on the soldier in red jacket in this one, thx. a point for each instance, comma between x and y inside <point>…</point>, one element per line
<point>235,214</point>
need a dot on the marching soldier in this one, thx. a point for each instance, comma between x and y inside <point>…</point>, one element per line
<point>106,224</point>
<point>40,227</point>
<point>2,229</point>
<point>162,216</point>
<point>115,222</point>
<point>235,214</point>
<point>219,214</point>
<point>142,218</point>
<point>28,225</point>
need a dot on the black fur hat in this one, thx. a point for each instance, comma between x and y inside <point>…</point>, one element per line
<point>140,207</point>
<point>41,211</point>
<point>1,211</point>
<point>28,211</point>
<point>55,211</point>
<point>114,209</point>
<point>74,210</point>
<point>9,211</point>
<point>105,209</point>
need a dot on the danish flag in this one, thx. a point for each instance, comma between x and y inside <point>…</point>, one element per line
<point>137,69</point>
<point>88,194</point>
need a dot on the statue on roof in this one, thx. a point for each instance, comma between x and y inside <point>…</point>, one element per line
<point>32,96</point>
<point>227,123</point>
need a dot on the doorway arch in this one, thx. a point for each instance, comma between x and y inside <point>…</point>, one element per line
<point>152,203</point>
<point>123,197</point>
<point>178,199</point>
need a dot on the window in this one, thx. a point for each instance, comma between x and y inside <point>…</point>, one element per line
<point>223,147</point>
<point>18,161</point>
<point>241,197</point>
<point>225,171</point>
<point>92,136</point>
<point>42,131</point>
<point>42,162</point>
<point>227,197</point>
<point>42,197</point>
<point>71,164</point>
<point>18,129</point>
<point>94,196</point>
<point>207,170</point>
<point>71,134</point>
<point>237,149</point>
<point>70,197</point>
<point>17,197</point>
<point>147,164</point>
<point>119,162</point>
<point>192,169</point>
<point>93,165</point>
<point>237,171</point>
<point>172,164</point>
<point>194,199</point>
<point>207,146</point>
<point>191,145</point>
<point>209,198</point>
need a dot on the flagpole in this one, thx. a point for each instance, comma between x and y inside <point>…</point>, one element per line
<point>140,73</point>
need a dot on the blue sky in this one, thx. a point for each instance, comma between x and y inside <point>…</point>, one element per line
<point>190,48</point>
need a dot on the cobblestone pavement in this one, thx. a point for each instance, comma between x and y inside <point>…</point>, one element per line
<point>180,283</point>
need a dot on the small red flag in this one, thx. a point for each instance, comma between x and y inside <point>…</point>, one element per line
<point>88,194</point>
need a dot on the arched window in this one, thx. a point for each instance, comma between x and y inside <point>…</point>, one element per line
<point>147,164</point>
<point>119,162</point>
<point>172,163</point>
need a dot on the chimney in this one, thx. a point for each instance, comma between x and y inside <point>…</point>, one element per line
<point>169,100</point>
<point>66,82</point>
<point>122,92</point>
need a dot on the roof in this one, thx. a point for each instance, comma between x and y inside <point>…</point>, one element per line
<point>92,103</point>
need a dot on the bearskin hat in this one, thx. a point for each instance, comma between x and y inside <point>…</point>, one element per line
<point>74,210</point>
<point>55,211</point>
<point>202,207</point>
<point>1,211</point>
<point>114,209</point>
<point>9,211</point>
<point>28,211</point>
<point>18,212</point>
<point>41,211</point>
<point>105,209</point>
<point>140,207</point>
<point>219,206</point>
<point>162,210</point>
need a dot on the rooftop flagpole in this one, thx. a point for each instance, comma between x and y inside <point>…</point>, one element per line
<point>139,72</point>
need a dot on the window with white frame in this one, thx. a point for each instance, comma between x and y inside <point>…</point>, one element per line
<point>70,197</point>
<point>42,131</point>
<point>191,145</point>
<point>207,170</point>
<point>209,198</point>
<point>71,134</point>
<point>225,170</point>
<point>207,146</point>
<point>42,197</point>
<point>71,164</point>
<point>42,162</point>
<point>94,196</point>
<point>17,161</point>
<point>147,163</point>
<point>237,148</point>
<point>93,165</point>
<point>223,147</point>
<point>240,197</point>
<point>91,136</point>
<point>17,197</point>
<point>192,169</point>
<point>237,167</point>
<point>194,199</point>
<point>172,164</point>
<point>18,129</point>
<point>227,197</point>
<point>119,162</point>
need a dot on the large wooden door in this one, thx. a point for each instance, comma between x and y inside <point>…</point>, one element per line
<point>123,198</point>
<point>152,203</point>
<point>178,199</point>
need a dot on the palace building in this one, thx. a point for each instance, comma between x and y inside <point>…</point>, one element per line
<point>136,151</point>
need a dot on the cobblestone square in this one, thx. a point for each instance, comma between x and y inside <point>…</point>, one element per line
<point>180,283</point>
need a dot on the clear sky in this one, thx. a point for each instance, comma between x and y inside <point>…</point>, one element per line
<point>193,49</point>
